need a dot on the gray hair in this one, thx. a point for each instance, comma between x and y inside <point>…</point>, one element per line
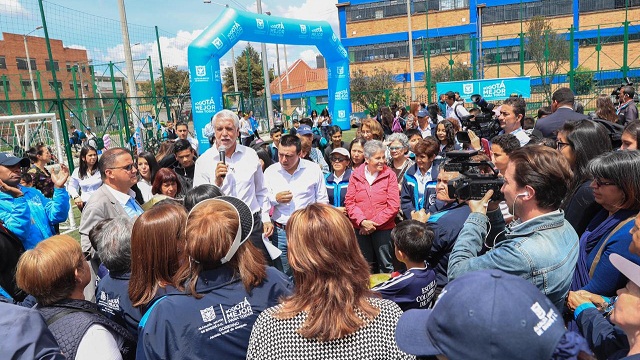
<point>113,244</point>
<point>226,115</point>
<point>108,160</point>
<point>372,147</point>
<point>402,138</point>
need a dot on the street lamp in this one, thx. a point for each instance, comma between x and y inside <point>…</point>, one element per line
<point>33,88</point>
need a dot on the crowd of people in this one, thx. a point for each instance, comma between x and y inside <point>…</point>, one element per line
<point>307,246</point>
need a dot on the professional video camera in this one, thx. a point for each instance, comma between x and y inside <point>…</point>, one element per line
<point>485,124</point>
<point>476,177</point>
<point>616,92</point>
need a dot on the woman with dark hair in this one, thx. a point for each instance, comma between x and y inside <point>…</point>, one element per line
<point>386,120</point>
<point>434,113</point>
<point>631,136</point>
<point>147,169</point>
<point>85,178</point>
<point>604,109</point>
<point>314,118</point>
<point>356,150</point>
<point>200,193</point>
<point>580,142</point>
<point>166,182</point>
<point>55,273</point>
<point>445,133</point>
<point>616,188</point>
<point>166,149</point>
<point>223,276</point>
<point>263,156</point>
<point>157,240</point>
<point>372,203</point>
<point>325,123</point>
<point>40,156</point>
<point>421,178</point>
<point>332,313</point>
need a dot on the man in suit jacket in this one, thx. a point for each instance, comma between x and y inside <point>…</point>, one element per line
<point>114,198</point>
<point>562,106</point>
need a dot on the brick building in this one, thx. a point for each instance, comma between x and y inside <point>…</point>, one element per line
<point>375,34</point>
<point>302,87</point>
<point>14,73</point>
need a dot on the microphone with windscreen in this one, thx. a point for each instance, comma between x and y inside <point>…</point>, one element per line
<point>223,149</point>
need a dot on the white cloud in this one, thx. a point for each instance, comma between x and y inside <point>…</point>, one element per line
<point>12,7</point>
<point>312,10</point>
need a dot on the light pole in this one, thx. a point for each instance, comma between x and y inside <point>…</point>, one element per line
<point>413,77</point>
<point>33,87</point>
<point>279,77</point>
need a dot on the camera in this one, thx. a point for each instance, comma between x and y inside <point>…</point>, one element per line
<point>485,124</point>
<point>616,92</point>
<point>476,177</point>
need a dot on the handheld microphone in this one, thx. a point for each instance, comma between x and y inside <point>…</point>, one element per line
<point>223,149</point>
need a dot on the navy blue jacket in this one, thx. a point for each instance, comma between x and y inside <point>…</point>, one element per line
<point>550,125</point>
<point>337,191</point>
<point>410,196</point>
<point>179,326</point>
<point>605,339</point>
<point>112,299</point>
<point>25,335</point>
<point>446,224</point>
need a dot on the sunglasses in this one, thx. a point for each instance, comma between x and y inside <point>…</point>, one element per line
<point>338,159</point>
<point>125,168</point>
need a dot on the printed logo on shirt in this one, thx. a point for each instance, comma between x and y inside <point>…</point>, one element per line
<point>208,314</point>
<point>107,305</point>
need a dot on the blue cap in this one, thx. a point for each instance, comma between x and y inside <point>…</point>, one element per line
<point>484,314</point>
<point>304,130</point>
<point>8,159</point>
<point>423,113</point>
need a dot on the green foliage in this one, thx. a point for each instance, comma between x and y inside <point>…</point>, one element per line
<point>176,80</point>
<point>372,91</point>
<point>444,73</point>
<point>248,59</point>
<point>547,50</point>
<point>583,81</point>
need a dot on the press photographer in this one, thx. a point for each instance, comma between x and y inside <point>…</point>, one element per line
<point>539,245</point>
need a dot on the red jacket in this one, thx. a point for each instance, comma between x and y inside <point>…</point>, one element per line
<point>378,202</point>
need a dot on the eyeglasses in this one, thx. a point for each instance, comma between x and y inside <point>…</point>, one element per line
<point>561,145</point>
<point>337,159</point>
<point>396,148</point>
<point>126,167</point>
<point>600,183</point>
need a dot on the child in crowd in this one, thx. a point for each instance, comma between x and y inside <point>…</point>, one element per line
<point>414,136</point>
<point>415,288</point>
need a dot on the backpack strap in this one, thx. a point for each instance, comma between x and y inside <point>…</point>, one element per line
<point>145,317</point>
<point>67,311</point>
<point>455,112</point>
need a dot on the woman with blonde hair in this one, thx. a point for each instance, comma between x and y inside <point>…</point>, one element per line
<point>222,286</point>
<point>55,272</point>
<point>332,313</point>
<point>370,129</point>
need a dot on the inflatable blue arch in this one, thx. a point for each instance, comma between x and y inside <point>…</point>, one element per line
<point>233,25</point>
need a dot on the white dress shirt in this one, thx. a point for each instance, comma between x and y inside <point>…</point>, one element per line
<point>244,178</point>
<point>145,189</point>
<point>86,185</point>
<point>456,112</point>
<point>306,185</point>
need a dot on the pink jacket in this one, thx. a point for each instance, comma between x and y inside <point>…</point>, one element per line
<point>379,202</point>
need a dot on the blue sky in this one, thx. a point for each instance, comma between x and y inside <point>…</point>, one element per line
<point>92,25</point>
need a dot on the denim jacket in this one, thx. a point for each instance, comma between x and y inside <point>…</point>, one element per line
<point>543,250</point>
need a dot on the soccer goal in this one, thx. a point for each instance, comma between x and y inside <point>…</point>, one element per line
<point>19,132</point>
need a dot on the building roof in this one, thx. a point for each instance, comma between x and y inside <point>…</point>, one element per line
<point>301,78</point>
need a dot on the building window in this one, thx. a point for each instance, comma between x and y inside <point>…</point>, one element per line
<point>3,84</point>
<point>598,5</point>
<point>295,102</point>
<point>608,39</point>
<point>377,10</point>
<point>26,85</point>
<point>3,62</point>
<point>504,55</point>
<point>400,49</point>
<point>71,87</point>
<point>22,64</point>
<point>322,99</point>
<point>69,66</point>
<point>511,12</point>
<point>55,65</point>
<point>52,88</point>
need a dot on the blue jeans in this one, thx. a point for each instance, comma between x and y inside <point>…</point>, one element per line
<point>282,245</point>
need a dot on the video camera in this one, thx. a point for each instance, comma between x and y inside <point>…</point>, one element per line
<point>485,124</point>
<point>476,177</point>
<point>616,92</point>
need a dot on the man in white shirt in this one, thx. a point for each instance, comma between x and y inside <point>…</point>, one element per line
<point>455,109</point>
<point>239,174</point>
<point>292,183</point>
<point>511,114</point>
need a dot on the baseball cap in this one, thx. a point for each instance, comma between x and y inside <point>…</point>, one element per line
<point>8,159</point>
<point>304,130</point>
<point>486,314</point>
<point>342,151</point>
<point>626,267</point>
<point>423,113</point>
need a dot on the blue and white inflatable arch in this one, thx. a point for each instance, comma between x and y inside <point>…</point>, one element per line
<point>233,25</point>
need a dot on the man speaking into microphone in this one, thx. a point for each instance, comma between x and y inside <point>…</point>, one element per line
<point>237,171</point>
<point>539,244</point>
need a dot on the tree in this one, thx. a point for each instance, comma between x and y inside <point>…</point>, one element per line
<point>547,50</point>
<point>248,58</point>
<point>177,83</point>
<point>583,81</point>
<point>374,90</point>
<point>444,73</point>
